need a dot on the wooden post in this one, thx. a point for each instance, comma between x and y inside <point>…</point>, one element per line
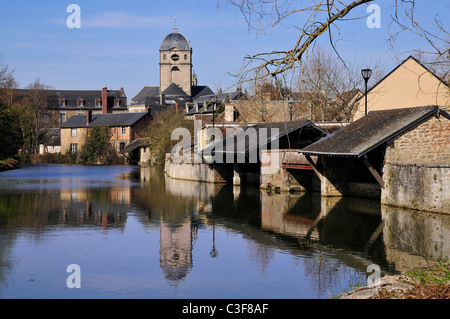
<point>373,171</point>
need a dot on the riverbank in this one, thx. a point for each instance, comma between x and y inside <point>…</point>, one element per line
<point>9,163</point>
<point>432,282</point>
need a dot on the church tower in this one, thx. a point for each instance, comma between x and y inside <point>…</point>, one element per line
<point>175,62</point>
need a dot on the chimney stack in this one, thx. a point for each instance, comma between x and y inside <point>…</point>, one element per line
<point>104,100</point>
<point>88,117</point>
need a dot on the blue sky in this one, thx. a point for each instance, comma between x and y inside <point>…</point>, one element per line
<point>118,42</point>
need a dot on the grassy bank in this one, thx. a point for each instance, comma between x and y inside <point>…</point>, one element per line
<point>432,282</point>
<point>9,163</point>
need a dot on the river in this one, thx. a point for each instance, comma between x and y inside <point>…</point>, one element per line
<point>131,232</point>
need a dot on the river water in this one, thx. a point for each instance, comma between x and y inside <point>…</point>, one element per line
<point>133,233</point>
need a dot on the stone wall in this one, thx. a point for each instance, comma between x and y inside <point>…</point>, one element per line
<point>201,171</point>
<point>417,167</point>
<point>427,142</point>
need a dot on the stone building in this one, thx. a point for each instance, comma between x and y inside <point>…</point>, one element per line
<point>178,85</point>
<point>123,129</point>
<point>401,156</point>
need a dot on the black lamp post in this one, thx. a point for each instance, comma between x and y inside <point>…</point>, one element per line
<point>290,104</point>
<point>366,73</point>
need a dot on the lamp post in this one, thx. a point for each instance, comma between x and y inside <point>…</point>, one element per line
<point>366,73</point>
<point>290,104</point>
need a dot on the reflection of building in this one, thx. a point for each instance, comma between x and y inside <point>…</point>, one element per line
<point>412,240</point>
<point>176,250</point>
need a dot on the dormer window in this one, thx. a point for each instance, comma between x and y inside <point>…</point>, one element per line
<point>116,102</point>
<point>62,102</point>
<point>98,103</point>
<point>80,102</point>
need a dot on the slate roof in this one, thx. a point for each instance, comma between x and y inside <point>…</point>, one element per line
<point>140,142</point>
<point>377,127</point>
<point>147,91</point>
<point>175,40</point>
<point>245,146</point>
<point>109,119</point>
<point>89,96</point>
<point>174,90</point>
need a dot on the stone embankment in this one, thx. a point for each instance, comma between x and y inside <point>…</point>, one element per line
<point>391,285</point>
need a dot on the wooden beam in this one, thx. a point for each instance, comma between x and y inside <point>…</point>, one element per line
<point>314,167</point>
<point>373,171</point>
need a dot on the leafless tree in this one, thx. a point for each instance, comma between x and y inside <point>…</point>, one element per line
<point>322,18</point>
<point>36,102</point>
<point>329,87</point>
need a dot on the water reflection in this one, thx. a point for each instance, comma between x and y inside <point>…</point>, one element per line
<point>303,245</point>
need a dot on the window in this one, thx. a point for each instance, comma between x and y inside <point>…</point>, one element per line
<point>62,102</point>
<point>97,103</point>
<point>123,130</point>
<point>121,146</point>
<point>116,102</point>
<point>62,118</point>
<point>175,68</point>
<point>74,132</point>
<point>80,102</point>
<point>164,56</point>
<point>175,57</point>
<point>73,147</point>
<point>185,56</point>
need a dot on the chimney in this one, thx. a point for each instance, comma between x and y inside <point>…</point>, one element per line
<point>104,100</point>
<point>162,99</point>
<point>88,117</point>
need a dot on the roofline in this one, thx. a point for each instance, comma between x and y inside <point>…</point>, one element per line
<point>394,69</point>
<point>143,114</point>
<point>436,109</point>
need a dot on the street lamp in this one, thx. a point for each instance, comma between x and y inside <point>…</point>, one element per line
<point>366,73</point>
<point>290,104</point>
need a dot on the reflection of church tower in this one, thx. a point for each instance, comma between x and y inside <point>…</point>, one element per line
<point>175,62</point>
<point>176,250</point>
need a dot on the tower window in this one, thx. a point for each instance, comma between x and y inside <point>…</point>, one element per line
<point>185,56</point>
<point>164,56</point>
<point>175,57</point>
<point>175,68</point>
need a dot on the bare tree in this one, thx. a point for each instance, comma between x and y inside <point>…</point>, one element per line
<point>322,18</point>
<point>331,88</point>
<point>36,102</point>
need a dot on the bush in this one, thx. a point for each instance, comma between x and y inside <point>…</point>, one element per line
<point>160,132</point>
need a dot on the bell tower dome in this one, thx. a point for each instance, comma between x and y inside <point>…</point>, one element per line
<point>175,62</point>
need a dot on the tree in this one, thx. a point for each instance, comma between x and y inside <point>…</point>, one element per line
<point>36,102</point>
<point>97,147</point>
<point>10,133</point>
<point>330,88</point>
<point>160,131</point>
<point>321,19</point>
